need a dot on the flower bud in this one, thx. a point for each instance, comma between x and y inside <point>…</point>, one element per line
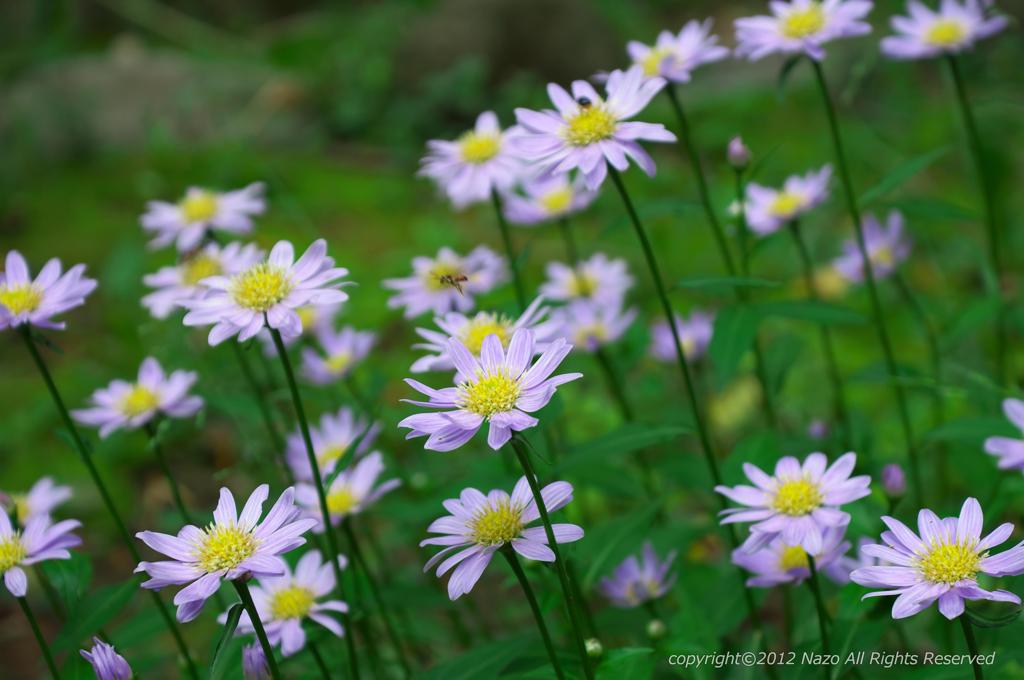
<point>594,648</point>
<point>656,629</point>
<point>894,482</point>
<point>254,663</point>
<point>818,429</point>
<point>106,662</point>
<point>738,154</point>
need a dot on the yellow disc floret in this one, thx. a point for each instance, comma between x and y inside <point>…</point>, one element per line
<point>198,268</point>
<point>489,393</point>
<point>558,201</point>
<point>497,524</point>
<point>21,508</point>
<point>444,275</point>
<point>651,64</point>
<point>339,363</point>
<point>949,563</point>
<point>292,602</point>
<point>479,148</point>
<point>12,552</point>
<point>139,400</point>
<point>582,284</point>
<point>482,325</point>
<point>786,203</point>
<point>225,546</point>
<point>261,287</point>
<point>341,501</point>
<point>592,124</point>
<point>198,206</point>
<point>797,497</point>
<point>331,453</point>
<point>21,299</point>
<point>946,33</point>
<point>804,22</point>
<point>793,557</point>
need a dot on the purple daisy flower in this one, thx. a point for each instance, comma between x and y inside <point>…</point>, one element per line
<point>887,248</point>
<point>1009,451</point>
<point>894,480</point>
<point>798,503</point>
<point>479,525</point>
<point>674,57</point>
<point>635,582</point>
<point>268,293</point>
<point>129,406</point>
<point>548,197</point>
<point>588,132</point>
<point>797,26</point>
<point>41,499</point>
<point>40,540</point>
<point>590,326</point>
<point>940,562</point>
<point>695,334</point>
<point>342,352</point>
<point>769,209</point>
<point>189,220</point>
<point>331,442</point>
<point>780,562</point>
<point>106,662</point>
<point>447,282</point>
<point>500,389</point>
<point>599,279</point>
<point>180,283</point>
<point>352,491</point>
<point>954,28</point>
<point>233,546</point>
<point>476,164</point>
<point>254,662</point>
<point>24,300</point>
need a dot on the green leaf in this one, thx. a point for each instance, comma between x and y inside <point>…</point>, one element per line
<point>626,439</point>
<point>725,283</point>
<point>609,537</point>
<point>976,315</point>
<point>629,663</point>
<point>811,310</point>
<point>735,330</point>
<point>70,578</point>
<point>94,612</point>
<point>992,614</point>
<point>971,430</point>
<point>234,614</point>
<point>784,73</point>
<point>482,661</point>
<point>901,174</point>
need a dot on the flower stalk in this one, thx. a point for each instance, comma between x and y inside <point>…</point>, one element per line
<point>513,262</point>
<point>538,616</point>
<point>972,646</point>
<point>43,646</point>
<point>242,588</point>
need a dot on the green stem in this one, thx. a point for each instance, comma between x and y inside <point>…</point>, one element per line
<point>254,616</point>
<point>571,251</point>
<point>43,647</point>
<point>268,419</point>
<point>517,569</point>
<point>869,278</point>
<point>332,546</point>
<point>513,263</point>
<point>972,646</point>
<point>574,581</point>
<point>158,450</point>
<point>319,661</point>
<point>108,501</point>
<point>819,604</point>
<point>563,576</point>
<point>988,197</point>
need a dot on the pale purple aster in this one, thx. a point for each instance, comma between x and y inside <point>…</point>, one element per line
<point>636,581</point>
<point>674,56</point>
<point>780,562</point>
<point>887,248</point>
<point>314,318</point>
<point>24,300</point>
<point>599,278</point>
<point>124,405</point>
<point>254,662</point>
<point>332,441</point>
<point>106,663</point>
<point>480,525</point>
<point>39,541</point>
<point>472,330</point>
<point>695,332</point>
<point>1008,450</point>
<point>180,282</point>
<point>41,499</point>
<point>231,547</point>
<point>431,288</point>
<point>801,26</point>
<point>337,354</point>
<point>847,564</point>
<point>499,389</point>
<point>268,294</point>
<point>769,209</point>
<point>590,326</point>
<point>940,562</point>
<point>350,493</point>
<point>894,481</point>
<point>798,503</point>
<point>548,197</point>
<point>187,222</point>
<point>284,602</point>
<point>481,161</point>
<point>954,28</point>
<point>587,133</point>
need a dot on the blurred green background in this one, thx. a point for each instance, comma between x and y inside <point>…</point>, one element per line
<point>106,104</point>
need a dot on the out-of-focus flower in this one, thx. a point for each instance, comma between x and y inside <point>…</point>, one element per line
<point>588,133</point>
<point>940,562</point>
<point>106,663</point>
<point>24,300</point>
<point>500,389</point>
<point>233,546</point>
<point>342,352</point>
<point>955,27</point>
<point>1009,451</point>
<point>254,662</point>
<point>314,318</point>
<point>600,279</point>
<point>894,482</point>
<point>548,197</point>
<point>796,26</point>
<point>351,492</point>
<point>738,154</point>
<point>480,525</point>
<point>181,282</point>
<point>595,650</point>
<point>636,581</point>
<point>590,326</point>
<point>656,629</point>
<point>817,429</point>
<point>887,248</point>
<point>734,406</point>
<point>673,56</point>
<point>782,562</point>
<point>798,504</point>
<point>188,221</point>
<point>268,293</point>
<point>41,540</point>
<point>769,209</point>
<point>447,282</point>
<point>476,164</point>
<point>41,499</point>
<point>332,440</point>
<point>694,331</point>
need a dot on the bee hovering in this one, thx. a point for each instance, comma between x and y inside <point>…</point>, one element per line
<point>453,281</point>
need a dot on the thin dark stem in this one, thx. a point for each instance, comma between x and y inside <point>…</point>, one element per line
<point>869,278</point>
<point>43,647</point>
<point>538,616</point>
<point>819,604</point>
<point>972,646</point>
<point>571,251</point>
<point>702,183</point>
<point>510,253</point>
<point>261,401</point>
<point>158,451</point>
<point>242,588</point>
<point>318,483</point>
<point>85,454</point>
<point>581,600</point>
<point>987,188</point>
<point>319,661</point>
<point>563,575</point>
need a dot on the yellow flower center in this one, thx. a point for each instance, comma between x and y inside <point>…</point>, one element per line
<point>307,315</point>
<point>786,203</point>
<point>734,406</point>
<point>582,284</point>
<point>482,325</point>
<point>804,22</point>
<point>592,124</point>
<point>491,393</point>
<point>499,524</point>
<point>797,497</point>
<point>198,268</point>
<point>292,602</point>
<point>946,33</point>
<point>949,563</point>
<point>477,148</point>
<point>139,400</point>
<point>331,454</point>
<point>341,501</point>
<point>225,547</point>
<point>21,509</point>
<point>793,557</point>
<point>21,299</point>
<point>558,201</point>
<point>198,206</point>
<point>260,287</point>
<point>595,331</point>
<point>12,552</point>
<point>883,256</point>
<point>651,64</point>
<point>338,363</point>
<point>444,275</point>
<point>830,283</point>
